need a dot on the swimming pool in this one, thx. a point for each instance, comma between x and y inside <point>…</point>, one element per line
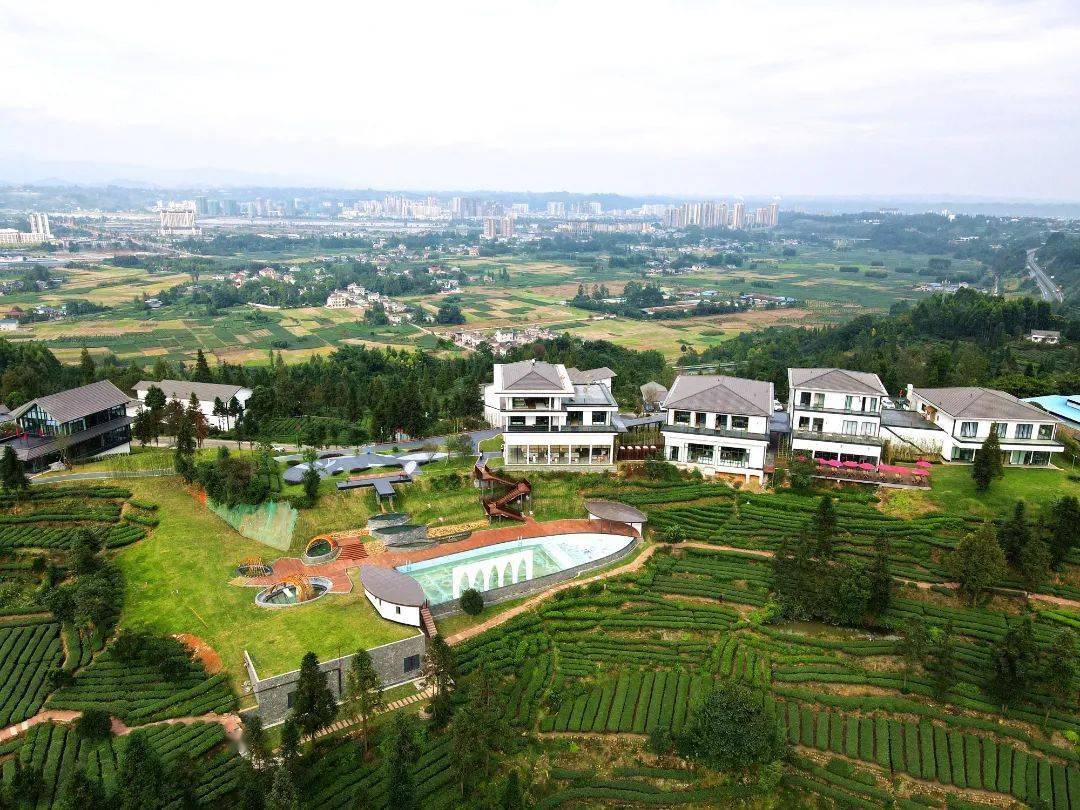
<point>444,578</point>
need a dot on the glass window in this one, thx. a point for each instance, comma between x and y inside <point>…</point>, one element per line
<point>872,405</point>
<point>699,419</point>
<point>818,425</point>
<point>969,429</point>
<point>1001,428</point>
<point>740,422</point>
<point>804,398</point>
<point>733,456</point>
<point>699,453</point>
<point>721,421</point>
<point>599,417</point>
<point>560,454</point>
<point>804,423</point>
<point>849,403</point>
<point>869,429</point>
<point>515,454</point>
<point>1024,431</point>
<point>411,662</point>
<point>851,427</point>
<point>601,454</point>
<point>1046,431</point>
<point>517,421</point>
<point>673,452</point>
<point>579,454</point>
<point>682,417</point>
<point>819,400</point>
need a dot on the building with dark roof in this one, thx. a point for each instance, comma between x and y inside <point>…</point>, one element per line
<point>966,415</point>
<point>836,414</point>
<point>76,424</point>
<point>718,424</point>
<point>394,595</point>
<point>552,416</point>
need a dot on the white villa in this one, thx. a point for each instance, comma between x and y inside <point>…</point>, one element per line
<point>967,415</point>
<point>181,391</point>
<point>718,424</point>
<point>835,414</point>
<point>552,416</point>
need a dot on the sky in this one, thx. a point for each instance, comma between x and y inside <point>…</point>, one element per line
<point>693,98</point>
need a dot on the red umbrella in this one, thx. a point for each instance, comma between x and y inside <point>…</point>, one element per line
<point>820,460</point>
<point>832,462</point>
<point>867,467</point>
<point>922,462</point>
<point>854,465</point>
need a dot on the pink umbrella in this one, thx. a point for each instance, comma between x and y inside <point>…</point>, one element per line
<point>922,462</point>
<point>853,465</point>
<point>867,467</point>
<point>832,462</point>
<point>820,460</point>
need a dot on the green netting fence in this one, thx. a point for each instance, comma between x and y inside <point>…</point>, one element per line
<point>270,523</point>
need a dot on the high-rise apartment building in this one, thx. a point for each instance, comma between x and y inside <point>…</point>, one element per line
<point>498,227</point>
<point>738,216</point>
<point>556,209</point>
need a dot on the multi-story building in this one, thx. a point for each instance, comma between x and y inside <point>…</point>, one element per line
<point>835,414</point>
<point>773,215</point>
<point>738,216</point>
<point>498,227</point>
<point>556,209</point>
<point>718,424</point>
<point>208,394</point>
<point>40,232</point>
<point>967,415</point>
<point>552,416</point>
<point>79,423</point>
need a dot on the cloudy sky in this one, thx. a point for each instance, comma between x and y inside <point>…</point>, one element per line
<point>769,97</point>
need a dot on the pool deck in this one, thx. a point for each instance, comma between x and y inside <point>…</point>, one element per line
<point>353,554</point>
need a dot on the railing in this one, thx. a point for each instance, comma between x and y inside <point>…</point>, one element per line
<point>845,411</point>
<point>723,434</point>
<point>844,438</point>
<point>560,429</point>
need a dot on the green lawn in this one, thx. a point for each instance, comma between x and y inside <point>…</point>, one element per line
<point>954,491</point>
<point>177,582</point>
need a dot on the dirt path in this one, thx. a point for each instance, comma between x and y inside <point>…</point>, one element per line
<point>517,610</point>
<point>231,722</point>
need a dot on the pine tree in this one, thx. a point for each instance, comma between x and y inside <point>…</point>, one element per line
<point>1016,662</point>
<point>511,798</point>
<point>825,523</point>
<point>987,465</point>
<point>202,371</point>
<point>290,741</point>
<point>1015,533</point>
<point>87,367</point>
<point>1060,527</point>
<point>80,792</point>
<point>282,794</point>
<point>314,706</point>
<point>978,562</point>
<point>1033,563</point>
<point>12,474</point>
<point>941,659</point>
<point>914,645</point>
<point>1059,673</point>
<point>399,752</point>
<point>362,692</point>
<point>880,578</point>
<point>141,777</point>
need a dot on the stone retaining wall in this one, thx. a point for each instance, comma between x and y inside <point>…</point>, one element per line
<point>404,534</point>
<point>387,519</point>
<point>273,693</point>
<point>533,586</point>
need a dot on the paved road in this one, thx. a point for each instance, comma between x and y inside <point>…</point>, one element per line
<point>1050,291</point>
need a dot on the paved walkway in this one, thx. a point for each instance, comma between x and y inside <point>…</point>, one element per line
<point>231,722</point>
<point>100,476</point>
<point>347,723</point>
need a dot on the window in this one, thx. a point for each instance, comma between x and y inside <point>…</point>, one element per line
<point>869,429</point>
<point>850,428</point>
<point>818,425</point>
<point>673,452</point>
<point>599,417</point>
<point>1046,431</point>
<point>1001,428</point>
<point>1023,431</point>
<point>804,423</point>
<point>682,417</point>
<point>397,609</point>
<point>517,421</point>
<point>290,699</point>
<point>699,419</point>
<point>740,422</point>
<point>849,403</point>
<point>804,398</point>
<point>721,421</point>
<point>411,663</point>
<point>872,406</point>
<point>819,401</point>
<point>968,430</point>
<point>962,454</point>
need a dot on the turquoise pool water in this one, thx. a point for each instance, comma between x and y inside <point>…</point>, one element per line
<point>444,578</point>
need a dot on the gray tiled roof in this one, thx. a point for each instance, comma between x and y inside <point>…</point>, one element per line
<point>980,403</point>
<point>591,375</point>
<point>721,394</point>
<point>653,392</point>
<point>531,375</point>
<point>592,394</point>
<point>183,389</point>
<point>836,379</point>
<point>614,510</point>
<point>391,586</point>
<point>77,402</point>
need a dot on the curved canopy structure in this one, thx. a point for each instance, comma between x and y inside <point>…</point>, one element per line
<point>391,586</point>
<point>614,511</point>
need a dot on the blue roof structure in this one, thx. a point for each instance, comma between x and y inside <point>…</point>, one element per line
<point>1064,407</point>
<point>331,464</point>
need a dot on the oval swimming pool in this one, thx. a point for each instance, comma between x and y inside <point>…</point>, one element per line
<point>444,578</point>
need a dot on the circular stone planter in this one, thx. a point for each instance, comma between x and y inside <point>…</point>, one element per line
<point>320,550</point>
<point>387,519</point>
<point>404,534</point>
<point>275,597</point>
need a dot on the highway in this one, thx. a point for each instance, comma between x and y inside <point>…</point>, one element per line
<point>1050,291</point>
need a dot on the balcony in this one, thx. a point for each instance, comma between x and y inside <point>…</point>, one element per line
<point>720,434</point>
<point>843,438</point>
<point>1034,441</point>
<point>840,411</point>
<point>560,429</point>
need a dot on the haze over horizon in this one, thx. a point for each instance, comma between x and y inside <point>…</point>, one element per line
<point>965,99</point>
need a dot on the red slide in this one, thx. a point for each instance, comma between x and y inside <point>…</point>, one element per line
<point>497,507</point>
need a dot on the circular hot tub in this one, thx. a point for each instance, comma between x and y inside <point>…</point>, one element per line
<point>292,591</point>
<point>320,550</point>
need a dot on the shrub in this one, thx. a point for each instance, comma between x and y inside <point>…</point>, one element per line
<point>94,724</point>
<point>472,601</point>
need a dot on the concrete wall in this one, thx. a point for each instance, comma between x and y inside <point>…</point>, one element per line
<point>273,693</point>
<point>532,586</point>
<point>401,534</point>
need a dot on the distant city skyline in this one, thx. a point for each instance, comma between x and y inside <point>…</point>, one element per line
<point>829,98</point>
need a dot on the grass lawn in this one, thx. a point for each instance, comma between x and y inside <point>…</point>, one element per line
<point>954,491</point>
<point>176,581</point>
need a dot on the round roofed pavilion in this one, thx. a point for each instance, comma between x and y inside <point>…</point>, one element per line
<point>616,512</point>
<point>396,596</point>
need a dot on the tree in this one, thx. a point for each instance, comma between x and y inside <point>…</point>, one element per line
<point>282,794</point>
<point>1016,662</point>
<point>673,534</point>
<point>255,741</point>
<point>986,466</point>
<point>1059,673</point>
<point>914,645</point>
<point>1014,533</point>
<point>202,371</point>
<point>461,445</point>
<point>87,367</point>
<point>1033,563</point>
<point>825,527</point>
<point>26,784</point>
<point>141,777</point>
<point>80,792</point>
<point>977,563</point>
<point>941,659</point>
<point>439,669</point>
<point>310,481</point>
<point>12,474</point>
<point>399,752</point>
<point>472,601</point>
<point>290,741</point>
<point>511,798</point>
<point>155,399</point>
<point>199,425</point>
<point>314,706</point>
<point>478,731</point>
<point>362,694</point>
<point>1060,528</point>
<point>879,579</point>
<point>94,724</point>
<point>732,729</point>
<point>143,426</point>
